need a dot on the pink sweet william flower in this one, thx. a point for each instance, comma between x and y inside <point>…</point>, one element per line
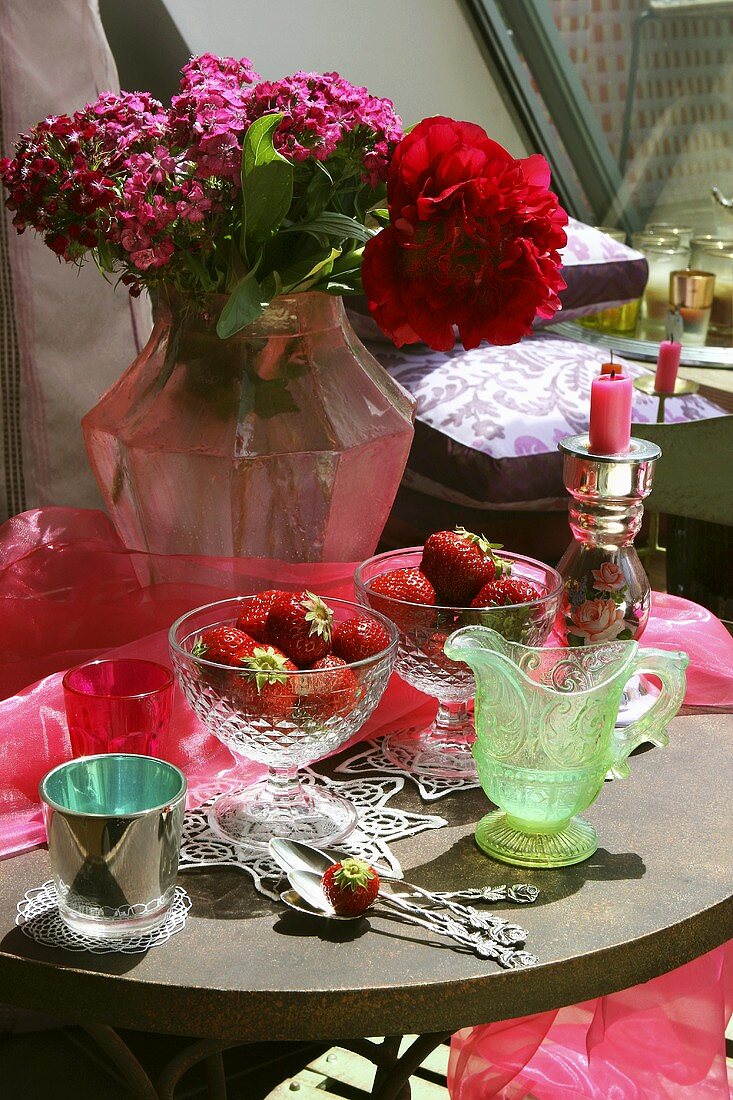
<point>194,205</point>
<point>157,255</point>
<point>321,111</point>
<point>597,621</point>
<point>154,167</point>
<point>212,70</point>
<point>609,577</point>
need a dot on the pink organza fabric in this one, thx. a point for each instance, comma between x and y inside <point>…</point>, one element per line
<point>664,1040</point>
<point>69,591</point>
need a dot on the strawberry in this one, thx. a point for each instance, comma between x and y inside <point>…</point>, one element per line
<point>513,594</point>
<point>334,690</point>
<point>254,614</point>
<point>459,563</point>
<point>503,591</point>
<point>263,685</point>
<point>404,584</point>
<point>434,649</point>
<point>359,638</point>
<point>225,645</point>
<point>300,624</point>
<point>350,886</point>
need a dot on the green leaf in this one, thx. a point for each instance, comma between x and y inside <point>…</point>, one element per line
<point>267,183</point>
<point>330,224</point>
<point>106,255</point>
<point>242,308</point>
<point>196,266</point>
<point>303,274</point>
<point>319,191</point>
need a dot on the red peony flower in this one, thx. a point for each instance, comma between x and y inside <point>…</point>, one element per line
<point>473,241</point>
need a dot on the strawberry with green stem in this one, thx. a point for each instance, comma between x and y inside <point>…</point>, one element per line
<point>224,645</point>
<point>350,886</point>
<point>263,685</point>
<point>300,624</point>
<point>458,563</point>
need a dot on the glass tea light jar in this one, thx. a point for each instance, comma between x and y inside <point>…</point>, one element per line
<point>700,246</point>
<point>691,293</point>
<point>720,262</point>
<point>663,255</point>
<point>683,233</point>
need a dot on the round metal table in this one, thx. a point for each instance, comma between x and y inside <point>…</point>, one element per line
<point>658,893</point>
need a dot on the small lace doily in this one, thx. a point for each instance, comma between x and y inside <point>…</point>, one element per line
<point>39,918</point>
<point>372,758</point>
<point>378,824</point>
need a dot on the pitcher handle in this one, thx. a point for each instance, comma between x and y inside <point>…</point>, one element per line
<point>670,668</point>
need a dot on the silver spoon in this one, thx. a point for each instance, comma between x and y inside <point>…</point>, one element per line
<point>491,938</point>
<point>295,855</point>
<point>293,900</point>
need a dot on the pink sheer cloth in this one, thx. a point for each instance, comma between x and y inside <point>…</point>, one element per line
<point>69,591</point>
<point>664,1040</point>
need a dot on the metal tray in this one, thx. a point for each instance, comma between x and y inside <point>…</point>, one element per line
<point>645,350</point>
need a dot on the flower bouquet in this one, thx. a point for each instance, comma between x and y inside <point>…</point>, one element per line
<point>242,207</point>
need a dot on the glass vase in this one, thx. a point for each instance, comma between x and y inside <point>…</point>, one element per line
<point>285,441</point>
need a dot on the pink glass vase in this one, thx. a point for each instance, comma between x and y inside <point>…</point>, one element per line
<point>286,441</point>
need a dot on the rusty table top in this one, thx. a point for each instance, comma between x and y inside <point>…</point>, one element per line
<point>658,893</point>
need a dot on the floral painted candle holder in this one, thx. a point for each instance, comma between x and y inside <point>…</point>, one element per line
<point>607,596</point>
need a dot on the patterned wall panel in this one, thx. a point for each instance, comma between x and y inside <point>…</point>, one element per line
<point>681,138</point>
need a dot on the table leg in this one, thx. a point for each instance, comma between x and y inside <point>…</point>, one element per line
<point>391,1081</point>
<point>216,1081</point>
<point>118,1052</point>
<point>205,1050</point>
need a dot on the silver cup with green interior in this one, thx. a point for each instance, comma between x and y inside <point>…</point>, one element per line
<point>114,833</point>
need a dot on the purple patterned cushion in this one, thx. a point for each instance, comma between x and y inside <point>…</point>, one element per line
<point>599,273</point>
<point>489,420</point>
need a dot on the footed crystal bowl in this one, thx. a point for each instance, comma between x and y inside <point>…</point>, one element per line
<point>298,718</point>
<point>444,748</point>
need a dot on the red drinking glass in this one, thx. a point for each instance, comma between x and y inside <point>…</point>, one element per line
<point>121,705</point>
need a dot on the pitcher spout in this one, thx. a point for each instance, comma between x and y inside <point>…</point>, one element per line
<point>477,646</point>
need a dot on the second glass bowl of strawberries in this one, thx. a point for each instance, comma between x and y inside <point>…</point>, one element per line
<point>526,593</point>
<point>284,679</point>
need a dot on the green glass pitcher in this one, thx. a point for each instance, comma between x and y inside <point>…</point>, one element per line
<point>546,736</point>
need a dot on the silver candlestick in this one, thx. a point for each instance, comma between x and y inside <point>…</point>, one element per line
<point>607,594</point>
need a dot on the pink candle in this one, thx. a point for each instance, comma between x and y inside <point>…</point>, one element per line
<point>667,366</point>
<point>610,414</point>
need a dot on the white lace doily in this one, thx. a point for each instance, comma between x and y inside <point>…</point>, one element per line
<point>378,824</point>
<point>39,919</point>
<point>372,758</point>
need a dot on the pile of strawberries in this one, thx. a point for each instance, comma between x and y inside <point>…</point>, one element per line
<point>458,569</point>
<point>279,633</point>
